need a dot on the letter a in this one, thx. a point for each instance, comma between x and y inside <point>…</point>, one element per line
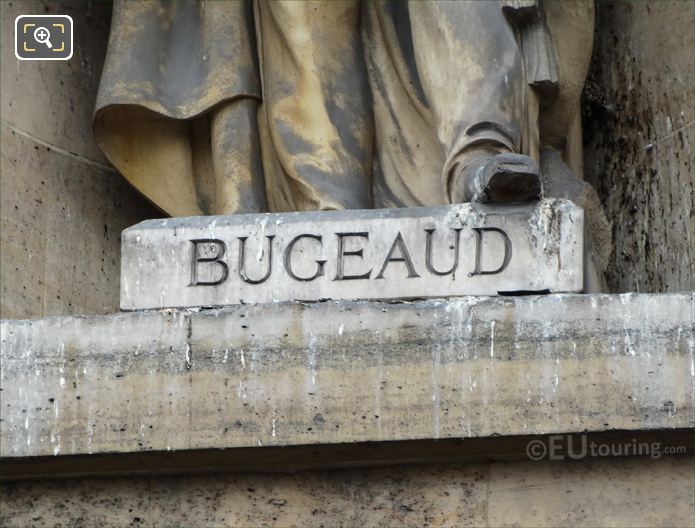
<point>405,258</point>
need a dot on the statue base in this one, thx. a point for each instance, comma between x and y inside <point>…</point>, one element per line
<point>414,253</point>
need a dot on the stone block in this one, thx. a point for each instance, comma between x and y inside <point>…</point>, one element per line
<point>467,249</point>
<point>61,221</point>
<point>621,491</point>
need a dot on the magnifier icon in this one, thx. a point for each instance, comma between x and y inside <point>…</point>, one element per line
<point>42,36</point>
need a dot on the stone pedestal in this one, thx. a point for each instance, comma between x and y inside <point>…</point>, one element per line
<point>466,249</point>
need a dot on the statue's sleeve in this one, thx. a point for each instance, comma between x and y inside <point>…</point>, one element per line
<point>168,64</point>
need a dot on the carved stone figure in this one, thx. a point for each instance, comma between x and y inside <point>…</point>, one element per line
<point>229,107</point>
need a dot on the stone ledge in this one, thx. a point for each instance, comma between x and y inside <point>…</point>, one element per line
<point>342,373</point>
<point>315,457</point>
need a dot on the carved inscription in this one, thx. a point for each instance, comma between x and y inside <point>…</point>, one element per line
<point>378,254</point>
<point>398,253</point>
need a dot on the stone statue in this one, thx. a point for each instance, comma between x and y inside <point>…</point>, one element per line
<point>230,107</point>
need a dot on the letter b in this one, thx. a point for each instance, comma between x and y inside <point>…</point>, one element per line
<point>216,259</point>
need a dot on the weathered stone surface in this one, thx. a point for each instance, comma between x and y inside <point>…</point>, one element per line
<point>60,225</point>
<point>597,492</point>
<point>62,209</point>
<point>53,101</point>
<point>467,249</point>
<point>624,491</point>
<point>640,133</point>
<point>337,373</point>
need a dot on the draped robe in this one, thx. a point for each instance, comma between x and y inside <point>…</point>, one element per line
<point>211,107</point>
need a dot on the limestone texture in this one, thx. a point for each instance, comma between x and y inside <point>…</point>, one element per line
<point>62,206</point>
<point>639,127</point>
<point>340,373</point>
<point>627,491</point>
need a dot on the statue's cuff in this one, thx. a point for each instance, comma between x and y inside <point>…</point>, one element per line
<point>483,145</point>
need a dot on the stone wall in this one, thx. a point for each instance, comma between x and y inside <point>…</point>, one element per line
<point>62,206</point>
<point>640,127</point>
<point>599,492</point>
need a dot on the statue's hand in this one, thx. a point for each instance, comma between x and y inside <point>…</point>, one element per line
<point>503,178</point>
